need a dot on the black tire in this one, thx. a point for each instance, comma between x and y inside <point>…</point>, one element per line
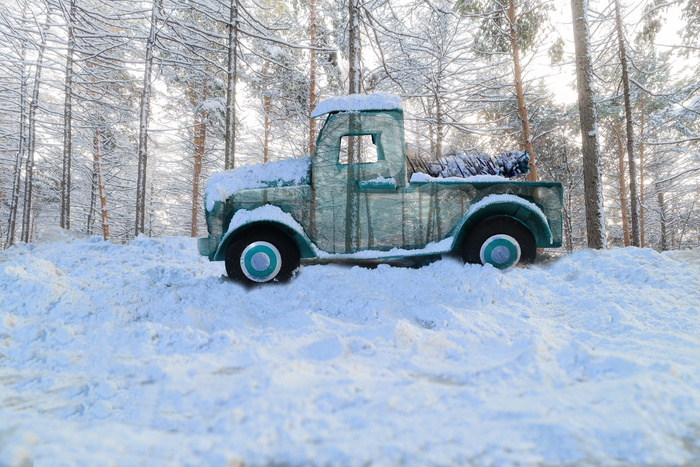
<point>260,256</point>
<point>500,241</point>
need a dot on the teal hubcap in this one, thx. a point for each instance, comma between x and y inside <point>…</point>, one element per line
<point>261,261</point>
<point>501,251</point>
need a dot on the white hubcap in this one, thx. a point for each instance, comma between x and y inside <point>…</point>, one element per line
<point>261,261</point>
<point>501,251</point>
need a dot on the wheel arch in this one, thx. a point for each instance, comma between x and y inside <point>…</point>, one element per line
<point>515,207</point>
<point>302,244</point>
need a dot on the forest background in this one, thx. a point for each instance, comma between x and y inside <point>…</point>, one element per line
<point>113,114</point>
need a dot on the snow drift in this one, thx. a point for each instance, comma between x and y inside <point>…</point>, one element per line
<point>143,354</point>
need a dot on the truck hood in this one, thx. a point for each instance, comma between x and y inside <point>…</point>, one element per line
<point>287,172</point>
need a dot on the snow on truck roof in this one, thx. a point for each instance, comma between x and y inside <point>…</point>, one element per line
<point>357,102</point>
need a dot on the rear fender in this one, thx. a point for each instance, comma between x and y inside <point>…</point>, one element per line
<point>522,210</point>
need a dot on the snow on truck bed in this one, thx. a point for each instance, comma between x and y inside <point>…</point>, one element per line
<point>143,354</point>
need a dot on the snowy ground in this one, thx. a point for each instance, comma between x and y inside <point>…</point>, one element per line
<point>144,354</point>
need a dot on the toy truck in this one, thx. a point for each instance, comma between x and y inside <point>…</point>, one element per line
<point>352,200</point>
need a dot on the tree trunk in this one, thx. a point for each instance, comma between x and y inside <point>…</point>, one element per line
<point>98,151</point>
<point>68,120</point>
<point>431,134</point>
<point>200,135</point>
<point>199,138</point>
<point>519,93</point>
<point>151,215</point>
<point>312,74</point>
<point>145,110</point>
<point>352,210</point>
<point>568,231</point>
<point>634,216</point>
<point>93,196</point>
<point>664,227</point>
<point>622,184</point>
<point>267,108</point>
<point>642,239</point>
<point>19,156</point>
<point>232,69</point>
<point>439,130</point>
<point>354,57</point>
<point>595,224</point>
<point>27,223</point>
<point>312,96</point>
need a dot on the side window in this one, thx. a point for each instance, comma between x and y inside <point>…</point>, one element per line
<point>358,149</point>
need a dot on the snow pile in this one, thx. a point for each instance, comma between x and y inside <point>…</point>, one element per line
<point>266,212</point>
<point>143,354</point>
<point>431,248</point>
<point>285,172</point>
<point>380,182</point>
<point>357,103</point>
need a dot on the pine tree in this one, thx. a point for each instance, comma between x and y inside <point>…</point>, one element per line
<point>632,163</point>
<point>69,16</point>
<point>507,25</point>
<point>144,117</point>
<point>27,214</point>
<point>14,116</point>
<point>231,77</point>
<point>426,55</point>
<point>595,224</point>
<point>313,43</point>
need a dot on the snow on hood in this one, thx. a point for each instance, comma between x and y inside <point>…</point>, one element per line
<point>285,172</point>
<point>357,102</point>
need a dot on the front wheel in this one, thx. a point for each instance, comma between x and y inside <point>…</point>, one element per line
<point>501,241</point>
<point>262,256</point>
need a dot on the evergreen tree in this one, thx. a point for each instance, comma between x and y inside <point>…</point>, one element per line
<point>514,27</point>
<point>595,224</point>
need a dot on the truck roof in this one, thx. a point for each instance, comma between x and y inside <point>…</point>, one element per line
<point>357,103</point>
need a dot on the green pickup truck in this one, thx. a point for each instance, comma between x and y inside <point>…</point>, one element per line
<point>352,200</point>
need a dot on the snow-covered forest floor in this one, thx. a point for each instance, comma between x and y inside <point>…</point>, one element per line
<point>144,354</point>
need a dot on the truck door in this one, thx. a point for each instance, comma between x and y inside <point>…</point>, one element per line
<point>358,173</point>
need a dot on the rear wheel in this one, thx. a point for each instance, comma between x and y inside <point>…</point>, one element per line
<point>262,256</point>
<point>501,241</point>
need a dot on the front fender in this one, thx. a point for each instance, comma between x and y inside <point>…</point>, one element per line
<point>513,206</point>
<point>265,216</point>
